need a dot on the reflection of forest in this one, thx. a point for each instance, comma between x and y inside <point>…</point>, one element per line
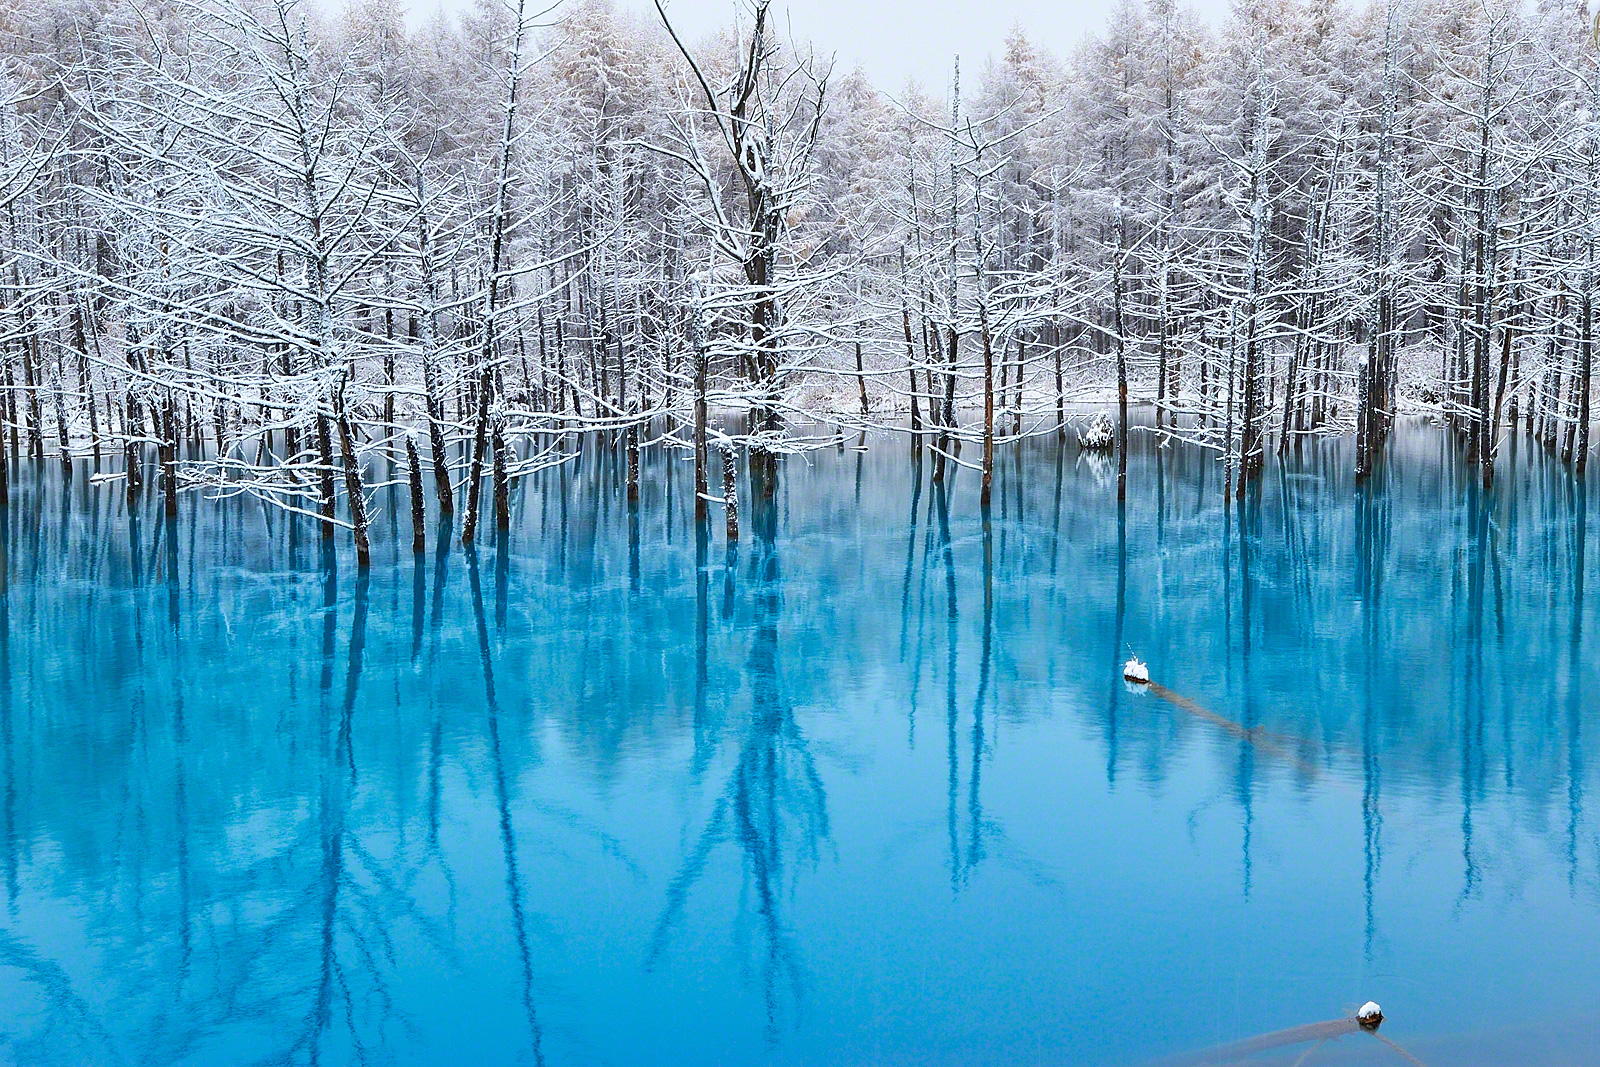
<point>257,774</point>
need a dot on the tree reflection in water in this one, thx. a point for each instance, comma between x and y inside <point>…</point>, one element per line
<point>773,801</point>
<point>569,799</point>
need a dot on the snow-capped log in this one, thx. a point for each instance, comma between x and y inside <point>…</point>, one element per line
<point>1100,436</point>
<point>1136,670</point>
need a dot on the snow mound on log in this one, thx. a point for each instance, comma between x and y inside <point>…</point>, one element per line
<point>1101,434</point>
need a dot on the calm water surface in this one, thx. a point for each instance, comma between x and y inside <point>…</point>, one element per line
<point>869,789</point>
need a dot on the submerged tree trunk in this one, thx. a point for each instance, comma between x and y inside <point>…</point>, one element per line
<point>633,464</point>
<point>419,532</point>
<point>911,369</point>
<point>701,480</point>
<point>861,380</point>
<point>325,476</point>
<point>1121,343</point>
<point>502,479</point>
<point>730,495</point>
<point>357,501</point>
<point>130,448</point>
<point>480,444</point>
<point>169,458</point>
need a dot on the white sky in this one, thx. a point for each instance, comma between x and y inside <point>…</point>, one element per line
<point>892,39</point>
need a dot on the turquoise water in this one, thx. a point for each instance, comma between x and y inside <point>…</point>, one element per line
<point>869,789</point>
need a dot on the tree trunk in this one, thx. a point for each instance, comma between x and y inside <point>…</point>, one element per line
<point>419,533</point>
<point>325,475</point>
<point>730,495</point>
<point>357,500</point>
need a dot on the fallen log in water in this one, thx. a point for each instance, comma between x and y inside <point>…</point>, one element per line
<point>1314,1034</point>
<point>1255,736</point>
<point>1369,1016</point>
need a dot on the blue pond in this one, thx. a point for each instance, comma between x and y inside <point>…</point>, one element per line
<point>868,789</point>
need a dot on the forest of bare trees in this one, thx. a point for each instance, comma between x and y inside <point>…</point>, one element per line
<point>250,248</point>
